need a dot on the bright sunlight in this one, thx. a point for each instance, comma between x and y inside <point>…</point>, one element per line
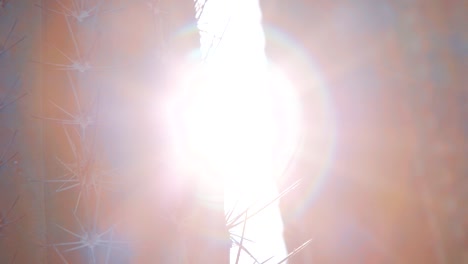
<point>238,119</point>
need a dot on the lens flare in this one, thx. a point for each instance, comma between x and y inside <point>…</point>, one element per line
<point>235,126</point>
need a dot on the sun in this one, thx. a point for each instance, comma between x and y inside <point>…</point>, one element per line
<point>235,127</point>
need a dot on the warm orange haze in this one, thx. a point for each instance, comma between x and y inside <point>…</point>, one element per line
<point>162,131</point>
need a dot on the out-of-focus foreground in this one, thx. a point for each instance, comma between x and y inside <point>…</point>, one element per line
<point>395,187</point>
<point>84,176</point>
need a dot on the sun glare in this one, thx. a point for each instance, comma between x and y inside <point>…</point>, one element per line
<point>237,129</point>
<point>235,121</point>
